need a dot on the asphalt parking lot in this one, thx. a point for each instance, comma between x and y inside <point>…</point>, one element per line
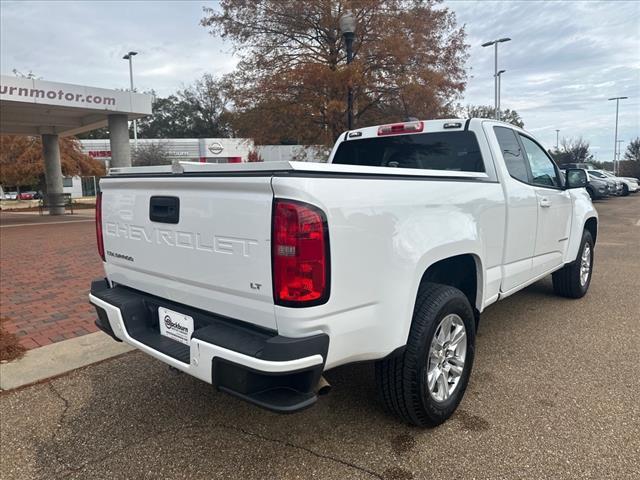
<point>554,394</point>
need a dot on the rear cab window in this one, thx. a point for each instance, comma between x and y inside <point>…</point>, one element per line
<point>451,151</point>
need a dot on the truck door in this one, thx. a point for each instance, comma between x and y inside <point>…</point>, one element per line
<point>554,208</point>
<point>522,211</point>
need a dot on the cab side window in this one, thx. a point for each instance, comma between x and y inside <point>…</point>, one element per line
<point>512,153</point>
<point>543,170</point>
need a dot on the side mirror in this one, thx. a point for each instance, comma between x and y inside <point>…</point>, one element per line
<point>576,178</point>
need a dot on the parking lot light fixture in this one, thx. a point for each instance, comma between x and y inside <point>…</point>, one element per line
<point>129,56</point>
<point>348,29</point>
<point>620,142</point>
<point>615,145</point>
<point>499,74</point>
<point>495,72</point>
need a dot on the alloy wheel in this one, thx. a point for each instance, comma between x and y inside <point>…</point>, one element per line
<point>446,357</point>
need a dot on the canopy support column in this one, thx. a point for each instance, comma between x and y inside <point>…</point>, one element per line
<point>53,174</point>
<point>119,141</point>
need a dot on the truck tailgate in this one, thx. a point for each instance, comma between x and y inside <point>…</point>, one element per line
<point>214,254</point>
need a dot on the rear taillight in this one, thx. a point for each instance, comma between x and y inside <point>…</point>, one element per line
<point>397,128</point>
<point>99,225</point>
<point>300,254</point>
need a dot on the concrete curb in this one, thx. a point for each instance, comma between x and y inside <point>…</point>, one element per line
<point>58,358</point>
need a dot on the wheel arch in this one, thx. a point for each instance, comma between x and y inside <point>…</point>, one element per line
<point>592,226</point>
<point>463,271</point>
<point>585,217</point>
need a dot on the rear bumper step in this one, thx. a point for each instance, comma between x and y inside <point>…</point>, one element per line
<point>275,372</point>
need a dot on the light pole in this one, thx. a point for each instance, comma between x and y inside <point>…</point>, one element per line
<point>495,72</point>
<point>557,139</point>
<point>620,142</point>
<point>348,29</point>
<point>499,74</point>
<point>129,56</point>
<point>615,145</point>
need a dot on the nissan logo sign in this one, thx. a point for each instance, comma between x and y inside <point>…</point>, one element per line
<point>215,148</point>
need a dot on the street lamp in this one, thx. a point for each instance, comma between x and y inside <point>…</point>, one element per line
<point>495,74</point>
<point>129,56</point>
<point>557,138</point>
<point>615,145</point>
<point>348,29</point>
<point>499,74</point>
<point>620,142</point>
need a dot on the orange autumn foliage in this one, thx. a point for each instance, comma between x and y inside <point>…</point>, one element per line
<point>290,85</point>
<point>22,163</point>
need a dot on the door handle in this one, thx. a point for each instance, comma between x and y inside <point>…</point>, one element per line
<point>545,202</point>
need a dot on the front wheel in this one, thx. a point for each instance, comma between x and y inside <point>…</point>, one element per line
<point>425,384</point>
<point>573,280</point>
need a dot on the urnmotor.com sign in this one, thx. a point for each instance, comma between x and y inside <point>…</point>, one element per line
<point>27,90</point>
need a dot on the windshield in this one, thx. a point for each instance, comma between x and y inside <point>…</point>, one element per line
<point>454,151</point>
<point>597,174</point>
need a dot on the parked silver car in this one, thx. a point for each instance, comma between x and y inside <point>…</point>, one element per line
<point>629,184</point>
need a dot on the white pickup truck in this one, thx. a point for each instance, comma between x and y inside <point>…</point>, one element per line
<point>259,277</point>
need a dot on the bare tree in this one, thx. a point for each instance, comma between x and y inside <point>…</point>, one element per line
<point>485,111</point>
<point>573,150</point>
<point>150,154</point>
<point>633,150</point>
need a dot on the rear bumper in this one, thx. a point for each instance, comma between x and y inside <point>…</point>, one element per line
<point>274,372</point>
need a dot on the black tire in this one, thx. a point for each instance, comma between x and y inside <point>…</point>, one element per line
<point>566,281</point>
<point>591,193</point>
<point>625,190</point>
<point>402,380</point>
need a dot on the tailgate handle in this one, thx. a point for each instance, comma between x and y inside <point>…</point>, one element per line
<point>164,209</point>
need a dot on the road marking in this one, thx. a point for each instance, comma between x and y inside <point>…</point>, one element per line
<point>610,244</point>
<point>11,212</point>
<point>638,223</point>
<point>44,223</point>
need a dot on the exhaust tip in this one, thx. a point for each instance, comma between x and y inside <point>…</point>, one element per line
<point>323,387</point>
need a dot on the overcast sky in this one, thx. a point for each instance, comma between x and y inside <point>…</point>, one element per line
<point>565,58</point>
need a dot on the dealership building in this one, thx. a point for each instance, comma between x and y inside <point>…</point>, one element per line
<point>212,150</point>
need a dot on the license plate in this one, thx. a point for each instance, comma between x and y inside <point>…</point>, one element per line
<point>175,325</point>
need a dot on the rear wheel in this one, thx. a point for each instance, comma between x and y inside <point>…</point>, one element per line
<point>573,280</point>
<point>425,384</point>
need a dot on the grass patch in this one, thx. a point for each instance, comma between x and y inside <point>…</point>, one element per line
<point>10,348</point>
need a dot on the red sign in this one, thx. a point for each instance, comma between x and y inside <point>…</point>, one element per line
<point>99,153</point>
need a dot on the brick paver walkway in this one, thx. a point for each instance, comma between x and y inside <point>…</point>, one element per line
<point>45,272</point>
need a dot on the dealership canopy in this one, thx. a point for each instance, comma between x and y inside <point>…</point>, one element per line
<point>35,107</point>
<point>50,109</point>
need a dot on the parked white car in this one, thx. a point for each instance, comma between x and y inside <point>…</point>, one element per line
<point>629,184</point>
<point>258,277</point>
